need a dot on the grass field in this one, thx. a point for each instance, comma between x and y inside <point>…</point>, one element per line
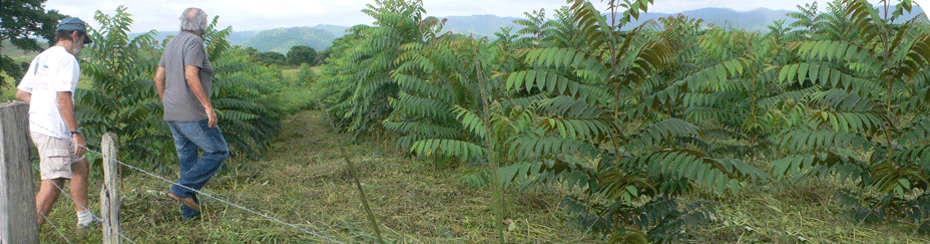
<point>16,53</point>
<point>303,180</point>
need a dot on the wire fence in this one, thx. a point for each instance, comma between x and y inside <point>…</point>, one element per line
<point>218,199</point>
<point>92,214</point>
<point>54,226</point>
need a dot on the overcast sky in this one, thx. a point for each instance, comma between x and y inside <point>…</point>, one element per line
<point>162,15</point>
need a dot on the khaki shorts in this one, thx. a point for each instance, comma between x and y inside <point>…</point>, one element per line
<point>55,156</point>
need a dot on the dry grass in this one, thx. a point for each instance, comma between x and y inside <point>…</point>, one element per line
<point>796,213</point>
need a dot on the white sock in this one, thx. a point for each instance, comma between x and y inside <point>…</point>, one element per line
<point>85,217</point>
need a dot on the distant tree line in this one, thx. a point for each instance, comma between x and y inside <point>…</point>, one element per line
<point>298,55</point>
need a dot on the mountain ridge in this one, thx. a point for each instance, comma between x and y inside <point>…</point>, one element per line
<point>321,36</point>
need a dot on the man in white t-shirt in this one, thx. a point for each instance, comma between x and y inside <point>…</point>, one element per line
<point>48,87</point>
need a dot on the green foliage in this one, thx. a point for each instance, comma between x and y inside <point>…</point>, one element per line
<point>249,115</point>
<point>12,68</point>
<point>306,75</point>
<point>633,119</point>
<point>605,104</point>
<point>867,121</point>
<point>302,55</point>
<point>660,220</point>
<point>269,58</point>
<point>359,94</point>
<point>21,20</point>
<point>337,78</point>
<point>445,107</point>
<point>533,28</point>
<point>123,99</point>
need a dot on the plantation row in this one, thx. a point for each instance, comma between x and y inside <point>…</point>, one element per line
<point>633,119</point>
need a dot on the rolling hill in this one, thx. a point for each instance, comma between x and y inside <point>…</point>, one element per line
<point>321,36</point>
<point>282,39</point>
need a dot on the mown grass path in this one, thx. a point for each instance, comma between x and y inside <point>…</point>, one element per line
<point>302,179</point>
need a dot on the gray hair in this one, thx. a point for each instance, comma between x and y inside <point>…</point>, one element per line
<point>194,20</point>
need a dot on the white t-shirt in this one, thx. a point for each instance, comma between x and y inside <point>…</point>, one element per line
<point>54,70</point>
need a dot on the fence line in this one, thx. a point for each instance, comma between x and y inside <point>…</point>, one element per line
<point>91,214</point>
<point>53,225</point>
<point>218,199</point>
<point>17,186</point>
<point>109,193</point>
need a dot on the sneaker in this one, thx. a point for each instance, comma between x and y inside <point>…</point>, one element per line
<point>91,224</point>
<point>189,202</point>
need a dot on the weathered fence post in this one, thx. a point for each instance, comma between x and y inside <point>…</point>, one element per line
<point>17,187</point>
<point>109,193</point>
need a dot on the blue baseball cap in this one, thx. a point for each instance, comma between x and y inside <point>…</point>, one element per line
<point>74,24</point>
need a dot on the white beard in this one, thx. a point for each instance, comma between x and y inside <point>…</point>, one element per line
<point>76,53</point>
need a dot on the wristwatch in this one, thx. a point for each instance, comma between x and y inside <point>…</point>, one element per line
<point>78,131</point>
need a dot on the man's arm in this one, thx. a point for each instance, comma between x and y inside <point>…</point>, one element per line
<point>193,81</point>
<point>22,95</point>
<point>66,108</point>
<point>160,82</point>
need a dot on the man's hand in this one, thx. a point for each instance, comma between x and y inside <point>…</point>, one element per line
<point>79,144</point>
<point>25,96</point>
<point>160,82</point>
<point>211,117</point>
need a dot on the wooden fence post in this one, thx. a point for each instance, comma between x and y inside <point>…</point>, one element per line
<point>17,186</point>
<point>109,193</point>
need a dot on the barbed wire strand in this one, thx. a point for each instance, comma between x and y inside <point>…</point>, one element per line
<point>91,213</point>
<point>218,199</point>
<point>54,226</point>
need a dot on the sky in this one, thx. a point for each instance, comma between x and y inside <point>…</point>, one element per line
<point>245,15</point>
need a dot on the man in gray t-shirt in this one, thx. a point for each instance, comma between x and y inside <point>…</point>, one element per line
<point>181,102</point>
<point>183,81</point>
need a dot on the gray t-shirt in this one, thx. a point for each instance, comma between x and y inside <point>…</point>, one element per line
<point>179,102</point>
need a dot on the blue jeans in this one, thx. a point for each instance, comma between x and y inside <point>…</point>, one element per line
<point>195,172</point>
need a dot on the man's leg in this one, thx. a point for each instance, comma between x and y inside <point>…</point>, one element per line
<point>55,160</point>
<point>215,151</point>
<point>45,199</point>
<point>79,174</point>
<point>187,155</point>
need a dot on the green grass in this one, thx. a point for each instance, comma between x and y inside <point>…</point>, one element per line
<point>290,72</point>
<point>19,54</point>
<point>8,91</point>
<point>8,94</point>
<point>296,95</point>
